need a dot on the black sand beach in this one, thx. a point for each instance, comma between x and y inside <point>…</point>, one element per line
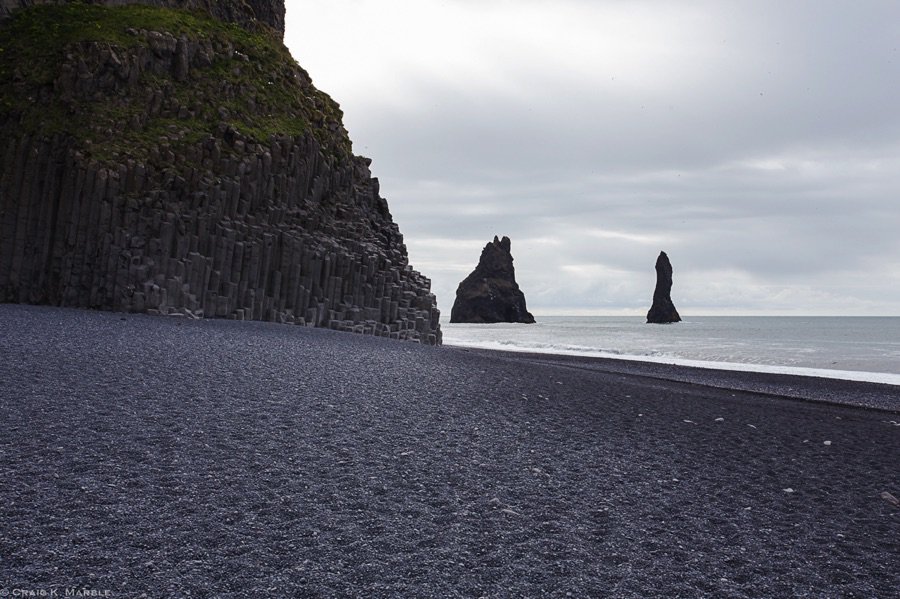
<point>163,457</point>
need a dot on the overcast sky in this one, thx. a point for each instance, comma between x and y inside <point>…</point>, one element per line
<point>756,142</point>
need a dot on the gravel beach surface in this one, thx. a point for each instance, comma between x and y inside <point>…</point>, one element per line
<point>165,457</point>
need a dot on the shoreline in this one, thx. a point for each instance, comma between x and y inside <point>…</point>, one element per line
<point>794,383</point>
<point>785,385</point>
<point>865,349</point>
<point>810,384</point>
<point>862,376</point>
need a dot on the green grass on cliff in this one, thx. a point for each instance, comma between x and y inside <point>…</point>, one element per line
<point>267,97</point>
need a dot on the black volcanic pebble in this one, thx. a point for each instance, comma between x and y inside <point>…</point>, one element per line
<point>170,458</point>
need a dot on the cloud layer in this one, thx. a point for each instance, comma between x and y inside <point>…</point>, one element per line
<point>757,143</point>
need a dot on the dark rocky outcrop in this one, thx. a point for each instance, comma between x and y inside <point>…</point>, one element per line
<point>490,293</point>
<point>247,13</point>
<point>157,160</point>
<point>663,310</point>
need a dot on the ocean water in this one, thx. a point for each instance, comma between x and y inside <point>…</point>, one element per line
<point>853,348</point>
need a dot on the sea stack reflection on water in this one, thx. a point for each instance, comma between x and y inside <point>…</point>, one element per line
<point>490,293</point>
<point>663,310</point>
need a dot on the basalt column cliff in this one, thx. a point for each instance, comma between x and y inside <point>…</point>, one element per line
<point>179,161</point>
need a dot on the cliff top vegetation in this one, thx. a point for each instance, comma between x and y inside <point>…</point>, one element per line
<point>93,73</point>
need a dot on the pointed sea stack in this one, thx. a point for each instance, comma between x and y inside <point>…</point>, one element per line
<point>663,310</point>
<point>490,293</point>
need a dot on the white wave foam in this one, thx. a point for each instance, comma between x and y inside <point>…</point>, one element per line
<point>659,358</point>
<point>551,348</point>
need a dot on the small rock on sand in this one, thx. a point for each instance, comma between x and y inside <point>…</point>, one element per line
<point>890,498</point>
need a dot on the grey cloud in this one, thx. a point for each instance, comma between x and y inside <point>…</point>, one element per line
<point>766,162</point>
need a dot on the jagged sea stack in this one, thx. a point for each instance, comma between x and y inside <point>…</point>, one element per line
<point>490,293</point>
<point>663,310</point>
<point>162,160</point>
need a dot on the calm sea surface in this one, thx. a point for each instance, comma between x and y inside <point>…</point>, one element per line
<point>859,348</point>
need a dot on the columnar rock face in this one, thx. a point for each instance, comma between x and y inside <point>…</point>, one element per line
<point>185,170</point>
<point>490,293</point>
<point>243,12</point>
<point>663,310</point>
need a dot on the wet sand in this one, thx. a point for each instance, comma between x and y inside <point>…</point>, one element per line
<point>167,457</point>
